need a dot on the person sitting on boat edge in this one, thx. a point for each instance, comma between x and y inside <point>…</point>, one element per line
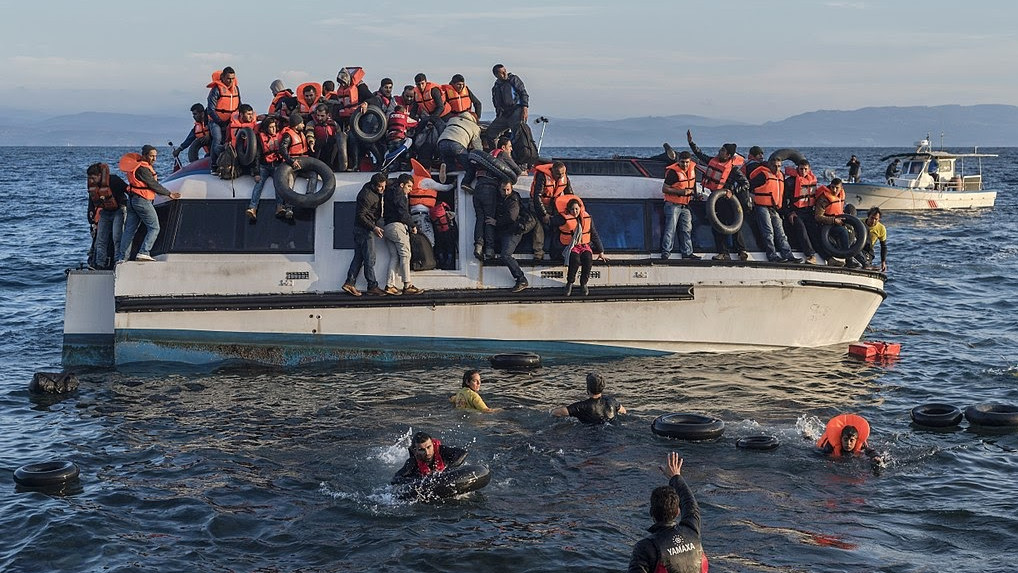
<point>579,236</point>
<point>365,229</point>
<point>199,136</point>
<point>469,396</point>
<point>767,184</point>
<point>511,101</point>
<point>269,139</point>
<point>512,222</point>
<point>143,187</point>
<point>892,171</point>
<point>396,232</point>
<point>846,435</point>
<point>800,198</point>
<point>321,134</point>
<point>428,456</point>
<point>293,144</point>
<point>678,189</point>
<point>876,232</point>
<point>722,172</point>
<point>549,183</point>
<point>598,408</point>
<point>830,210</point>
<point>672,547</point>
<point>854,167</point>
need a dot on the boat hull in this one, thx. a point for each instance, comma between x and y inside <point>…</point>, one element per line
<point>865,196</point>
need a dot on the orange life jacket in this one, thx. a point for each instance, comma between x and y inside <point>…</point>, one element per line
<point>835,201</point>
<point>229,98</point>
<point>303,105</point>
<point>348,96</point>
<point>804,188</point>
<point>566,229</point>
<point>236,125</point>
<point>426,102</point>
<point>552,188</point>
<point>274,106</point>
<point>832,435</point>
<point>717,173</point>
<point>130,163</point>
<point>201,129</point>
<point>419,196</point>
<point>457,101</point>
<point>101,195</point>
<point>439,462</point>
<point>769,194</point>
<point>270,146</point>
<point>687,180</point>
<point>298,142</point>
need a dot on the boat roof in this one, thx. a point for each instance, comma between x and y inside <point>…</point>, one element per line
<point>934,154</point>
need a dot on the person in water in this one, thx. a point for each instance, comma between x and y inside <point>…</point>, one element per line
<point>597,409</point>
<point>469,396</point>
<point>428,456</point>
<point>876,231</point>
<point>672,547</point>
<point>846,435</point>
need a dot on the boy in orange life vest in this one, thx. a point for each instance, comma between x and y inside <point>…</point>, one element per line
<point>548,184</point>
<point>198,137</point>
<point>722,172</point>
<point>800,197</point>
<point>846,435</point>
<point>427,456</point>
<point>767,184</point>
<point>460,98</point>
<point>678,189</point>
<point>830,210</point>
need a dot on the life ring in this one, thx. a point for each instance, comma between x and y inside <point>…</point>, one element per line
<point>712,212</point>
<point>451,482</point>
<point>858,227</point>
<point>936,415</point>
<point>46,474</point>
<point>787,154</point>
<point>493,165</point>
<point>380,123</point>
<point>515,361</point>
<point>688,426</point>
<point>992,415</point>
<point>283,179</point>
<point>757,443</point>
<point>249,153</point>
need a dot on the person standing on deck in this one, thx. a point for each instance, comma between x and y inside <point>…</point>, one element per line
<point>223,100</point>
<point>722,173</point>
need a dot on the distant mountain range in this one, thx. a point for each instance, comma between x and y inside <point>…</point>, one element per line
<point>962,126</point>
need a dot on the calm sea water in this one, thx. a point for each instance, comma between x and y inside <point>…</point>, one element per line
<point>239,468</point>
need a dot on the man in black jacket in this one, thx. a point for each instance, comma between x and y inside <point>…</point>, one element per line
<point>511,101</point>
<point>512,222</point>
<point>365,229</point>
<point>671,547</point>
<point>428,456</point>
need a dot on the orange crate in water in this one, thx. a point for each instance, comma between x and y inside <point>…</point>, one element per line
<point>874,349</point>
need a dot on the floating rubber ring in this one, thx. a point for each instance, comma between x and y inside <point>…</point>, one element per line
<point>688,426</point>
<point>46,474</point>
<point>757,443</point>
<point>284,176</point>
<point>495,167</point>
<point>367,136</point>
<point>515,361</point>
<point>858,227</point>
<point>936,415</point>
<point>451,482</point>
<point>712,212</point>
<point>250,151</point>
<point>992,415</point>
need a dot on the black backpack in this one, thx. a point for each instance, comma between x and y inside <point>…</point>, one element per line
<point>524,148</point>
<point>422,256</point>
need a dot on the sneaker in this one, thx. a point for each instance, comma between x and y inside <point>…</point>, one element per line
<point>489,255</point>
<point>143,257</point>
<point>835,262</point>
<point>288,214</point>
<point>669,152</point>
<point>280,212</point>
<point>692,257</point>
<point>411,289</point>
<point>391,290</point>
<point>568,290</point>
<point>539,256</point>
<point>351,290</point>
<point>441,173</point>
<point>743,256</point>
<point>664,256</point>
<point>774,259</point>
<point>585,290</point>
<point>811,260</point>
<point>791,259</point>
<point>479,252</point>
<point>252,215</point>
<point>520,285</point>
<point>375,291</point>
<point>722,257</point>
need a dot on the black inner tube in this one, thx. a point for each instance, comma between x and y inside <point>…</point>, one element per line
<point>283,179</point>
<point>787,154</point>
<point>757,443</point>
<point>853,248</point>
<point>729,228</point>
<point>46,474</point>
<point>246,145</point>
<point>369,125</point>
<point>688,426</point>
<point>515,361</point>
<point>936,415</point>
<point>495,167</point>
<point>992,415</point>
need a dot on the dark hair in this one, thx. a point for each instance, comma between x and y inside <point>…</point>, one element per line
<point>850,209</point>
<point>836,181</point>
<point>404,178</point>
<point>379,177</point>
<point>146,148</point>
<point>197,107</point>
<point>664,504</point>
<point>595,382</point>
<point>385,81</point>
<point>228,70</point>
<point>494,69</point>
<point>558,165</point>
<point>502,140</point>
<point>570,204</point>
<point>685,155</point>
<point>264,125</point>
<point>468,375</point>
<point>420,77</point>
<point>420,438</point>
<point>94,169</point>
<point>802,162</point>
<point>874,211</point>
<point>244,107</point>
<point>329,86</point>
<point>849,432</point>
<point>457,78</point>
<point>756,150</point>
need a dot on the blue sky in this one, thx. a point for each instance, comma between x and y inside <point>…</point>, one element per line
<point>740,60</point>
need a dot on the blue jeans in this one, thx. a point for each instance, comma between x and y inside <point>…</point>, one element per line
<point>216,131</point>
<point>679,219</point>
<point>111,225</point>
<point>139,211</point>
<point>265,172</point>
<point>774,240</point>
<point>363,256</point>
<point>509,243</point>
<point>451,151</point>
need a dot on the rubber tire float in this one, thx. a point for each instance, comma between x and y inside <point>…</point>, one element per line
<point>936,415</point>
<point>371,137</point>
<point>999,415</point>
<point>762,443</point>
<point>493,165</point>
<point>688,426</point>
<point>451,482</point>
<point>283,179</point>
<point>712,212</point>
<point>858,227</point>
<point>787,154</point>
<point>46,474</point>
<point>516,361</point>
<point>250,148</point>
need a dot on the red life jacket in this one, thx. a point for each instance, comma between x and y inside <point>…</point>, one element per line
<point>457,101</point>
<point>769,194</point>
<point>552,189</point>
<point>835,201</point>
<point>326,131</point>
<point>101,195</point>
<point>716,174</point>
<point>832,435</point>
<point>398,124</point>
<point>236,125</point>
<point>426,102</point>
<point>348,96</point>
<point>229,98</point>
<point>566,229</point>
<point>687,180</point>
<point>804,188</point>
<point>270,146</point>
<point>130,163</point>
<point>304,107</point>
<point>419,196</point>
<point>298,142</point>
<point>275,106</point>
<point>424,468</point>
<point>440,217</point>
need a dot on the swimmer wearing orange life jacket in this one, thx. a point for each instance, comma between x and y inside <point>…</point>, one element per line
<point>846,434</point>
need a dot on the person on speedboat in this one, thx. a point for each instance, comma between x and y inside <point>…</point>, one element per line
<point>722,173</point>
<point>854,168</point>
<point>199,136</point>
<point>830,210</point>
<point>512,221</point>
<point>893,170</point>
<point>767,184</point>
<point>428,456</point>
<point>678,188</point>
<point>800,198</point>
<point>550,182</point>
<point>598,408</point>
